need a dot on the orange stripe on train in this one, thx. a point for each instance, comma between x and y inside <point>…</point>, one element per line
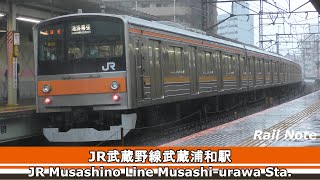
<point>81,86</point>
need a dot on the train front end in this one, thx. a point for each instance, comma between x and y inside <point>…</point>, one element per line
<point>81,78</point>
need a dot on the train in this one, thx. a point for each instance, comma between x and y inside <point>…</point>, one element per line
<point>96,73</point>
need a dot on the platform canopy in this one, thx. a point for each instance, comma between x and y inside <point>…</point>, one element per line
<point>316,4</point>
<point>44,9</point>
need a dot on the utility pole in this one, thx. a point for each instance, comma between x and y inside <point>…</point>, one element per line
<point>204,9</point>
<point>136,5</point>
<point>317,63</point>
<point>304,63</point>
<point>277,42</point>
<point>261,25</point>
<point>174,10</point>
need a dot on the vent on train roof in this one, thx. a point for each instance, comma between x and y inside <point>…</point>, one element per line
<point>180,26</point>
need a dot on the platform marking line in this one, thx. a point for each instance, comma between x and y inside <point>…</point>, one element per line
<point>277,126</point>
<point>282,126</point>
<point>17,109</point>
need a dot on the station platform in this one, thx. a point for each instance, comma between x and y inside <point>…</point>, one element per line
<point>289,124</point>
<point>19,121</point>
<point>24,105</point>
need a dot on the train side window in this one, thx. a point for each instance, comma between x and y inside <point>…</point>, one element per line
<point>207,62</point>
<point>249,65</point>
<point>214,61</point>
<point>171,59</point>
<point>258,65</point>
<point>157,51</point>
<point>203,62</point>
<point>242,68</point>
<point>179,60</point>
<point>176,63</point>
<point>234,63</point>
<point>192,55</point>
<point>228,63</point>
<point>137,53</point>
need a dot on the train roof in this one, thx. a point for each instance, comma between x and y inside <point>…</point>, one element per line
<point>163,27</point>
<point>167,28</point>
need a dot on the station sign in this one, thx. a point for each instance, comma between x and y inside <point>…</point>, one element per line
<point>16,39</point>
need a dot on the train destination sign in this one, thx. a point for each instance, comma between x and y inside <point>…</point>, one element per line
<point>81,29</point>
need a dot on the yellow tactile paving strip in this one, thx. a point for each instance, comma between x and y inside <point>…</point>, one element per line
<point>9,109</point>
<point>282,126</point>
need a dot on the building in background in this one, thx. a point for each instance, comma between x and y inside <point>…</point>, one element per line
<point>310,52</point>
<point>185,12</point>
<point>239,28</point>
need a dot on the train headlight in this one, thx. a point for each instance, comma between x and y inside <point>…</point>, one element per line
<point>115,85</point>
<point>46,88</point>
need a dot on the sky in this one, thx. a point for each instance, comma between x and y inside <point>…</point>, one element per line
<point>282,22</point>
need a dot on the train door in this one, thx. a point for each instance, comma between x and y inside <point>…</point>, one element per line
<point>272,71</point>
<point>243,77</point>
<point>139,69</point>
<point>194,76</point>
<point>247,71</point>
<point>254,71</point>
<point>238,71</point>
<point>143,77</point>
<point>220,70</point>
<point>154,53</point>
<point>263,67</point>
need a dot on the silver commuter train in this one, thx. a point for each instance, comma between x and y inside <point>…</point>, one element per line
<point>93,71</point>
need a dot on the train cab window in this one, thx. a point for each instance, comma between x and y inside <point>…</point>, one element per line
<point>118,50</point>
<point>105,51</point>
<point>176,60</point>
<point>81,45</point>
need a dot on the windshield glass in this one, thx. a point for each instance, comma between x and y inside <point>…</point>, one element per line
<point>81,46</point>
